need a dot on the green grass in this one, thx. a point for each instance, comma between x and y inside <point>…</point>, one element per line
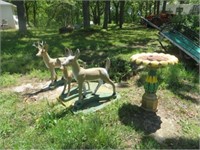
<point>36,125</point>
<point>7,79</point>
<point>41,74</point>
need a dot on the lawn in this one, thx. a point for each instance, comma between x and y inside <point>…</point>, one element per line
<point>37,124</point>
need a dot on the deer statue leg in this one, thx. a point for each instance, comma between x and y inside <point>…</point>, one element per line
<point>84,90</point>
<point>65,84</point>
<point>69,87</point>
<point>53,75</point>
<point>99,84</point>
<point>108,80</point>
<point>88,85</point>
<point>80,87</point>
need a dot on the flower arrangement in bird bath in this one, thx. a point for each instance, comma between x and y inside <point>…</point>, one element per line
<point>153,61</point>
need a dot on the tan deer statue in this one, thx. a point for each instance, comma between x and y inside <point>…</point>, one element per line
<point>50,63</point>
<point>68,75</point>
<point>81,74</point>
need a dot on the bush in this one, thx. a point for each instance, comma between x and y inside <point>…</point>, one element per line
<point>191,21</point>
<point>120,69</point>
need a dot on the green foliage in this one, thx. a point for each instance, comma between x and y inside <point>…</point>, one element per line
<point>176,76</point>
<point>120,69</point>
<point>8,119</point>
<point>6,79</point>
<point>35,73</point>
<point>148,142</point>
<point>191,21</point>
<point>87,133</point>
<point>46,121</point>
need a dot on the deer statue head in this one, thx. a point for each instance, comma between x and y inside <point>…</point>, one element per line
<point>42,48</point>
<point>70,58</point>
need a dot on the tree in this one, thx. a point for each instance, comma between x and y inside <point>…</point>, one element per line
<point>34,12</point>
<point>164,6</point>
<point>121,13</point>
<point>106,14</point>
<point>97,10</point>
<point>86,14</point>
<point>116,4</point>
<point>158,7</point>
<point>154,7</point>
<point>150,5</point>
<point>31,11</point>
<point>146,8</point>
<point>21,16</point>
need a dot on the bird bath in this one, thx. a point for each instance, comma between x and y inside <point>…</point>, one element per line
<point>153,61</point>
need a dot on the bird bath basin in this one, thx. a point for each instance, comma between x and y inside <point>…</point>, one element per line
<point>152,61</point>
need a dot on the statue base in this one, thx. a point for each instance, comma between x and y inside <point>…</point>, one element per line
<point>91,102</point>
<point>150,102</point>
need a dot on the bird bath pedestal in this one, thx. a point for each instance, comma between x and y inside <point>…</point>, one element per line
<point>152,61</point>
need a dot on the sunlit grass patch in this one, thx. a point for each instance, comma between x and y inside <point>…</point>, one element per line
<point>7,79</point>
<point>177,76</point>
<point>40,74</point>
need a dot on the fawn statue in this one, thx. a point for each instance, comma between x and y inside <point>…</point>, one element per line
<point>81,74</point>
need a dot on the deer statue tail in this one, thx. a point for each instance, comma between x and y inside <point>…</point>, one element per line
<point>107,63</point>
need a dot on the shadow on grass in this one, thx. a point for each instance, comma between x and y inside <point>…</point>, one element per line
<point>182,143</point>
<point>170,143</point>
<point>184,92</point>
<point>98,44</point>
<point>138,119</point>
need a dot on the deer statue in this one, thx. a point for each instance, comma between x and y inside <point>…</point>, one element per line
<point>68,75</point>
<point>82,74</point>
<point>50,63</point>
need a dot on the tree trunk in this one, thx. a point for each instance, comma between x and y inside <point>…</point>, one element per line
<point>86,15</point>
<point>109,14</point>
<point>116,4</point>
<point>27,14</point>
<point>146,9</point>
<point>21,16</point>
<point>154,8</point>
<point>150,5</point>
<point>158,7</point>
<point>94,13</point>
<point>164,6</point>
<point>98,13</point>
<point>106,14</point>
<point>34,13</point>
<point>140,3</point>
<point>121,14</point>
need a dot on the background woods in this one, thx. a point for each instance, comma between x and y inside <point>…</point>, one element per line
<point>56,14</point>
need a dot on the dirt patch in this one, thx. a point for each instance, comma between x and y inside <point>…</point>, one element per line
<point>35,90</point>
<point>169,127</point>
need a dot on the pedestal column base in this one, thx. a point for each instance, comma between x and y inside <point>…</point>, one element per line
<point>150,102</point>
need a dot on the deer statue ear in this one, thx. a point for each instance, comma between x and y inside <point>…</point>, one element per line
<point>46,46</point>
<point>68,52</point>
<point>77,54</point>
